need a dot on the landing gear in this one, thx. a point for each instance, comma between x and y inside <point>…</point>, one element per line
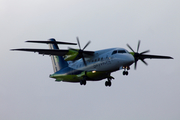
<point>83,82</point>
<point>125,72</point>
<point>108,82</point>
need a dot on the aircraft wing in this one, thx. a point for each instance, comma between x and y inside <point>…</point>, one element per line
<point>45,51</point>
<point>144,56</point>
<point>52,51</point>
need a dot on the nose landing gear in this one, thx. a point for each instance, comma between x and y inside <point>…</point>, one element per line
<point>125,72</point>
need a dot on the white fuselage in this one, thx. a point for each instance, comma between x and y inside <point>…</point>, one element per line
<point>105,60</point>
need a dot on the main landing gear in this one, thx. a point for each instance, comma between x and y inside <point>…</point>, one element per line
<point>108,82</point>
<point>83,82</point>
<point>125,72</point>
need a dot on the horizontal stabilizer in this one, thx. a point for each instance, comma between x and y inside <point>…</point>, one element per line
<point>52,42</point>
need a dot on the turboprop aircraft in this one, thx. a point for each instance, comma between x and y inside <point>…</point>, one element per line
<point>79,65</point>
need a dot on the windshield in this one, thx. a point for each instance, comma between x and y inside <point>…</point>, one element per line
<point>114,52</point>
<point>122,51</point>
<point>119,51</point>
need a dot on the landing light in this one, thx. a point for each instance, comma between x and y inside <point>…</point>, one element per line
<point>93,71</point>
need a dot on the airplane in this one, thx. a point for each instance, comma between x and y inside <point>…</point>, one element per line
<point>79,65</point>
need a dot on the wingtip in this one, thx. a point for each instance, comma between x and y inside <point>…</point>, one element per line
<point>12,49</point>
<point>28,41</point>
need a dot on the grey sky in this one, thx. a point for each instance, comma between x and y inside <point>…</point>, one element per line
<point>149,93</point>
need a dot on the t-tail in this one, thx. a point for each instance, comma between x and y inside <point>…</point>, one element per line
<point>56,54</point>
<point>58,62</point>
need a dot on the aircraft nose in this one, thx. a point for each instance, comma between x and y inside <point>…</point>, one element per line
<point>129,59</point>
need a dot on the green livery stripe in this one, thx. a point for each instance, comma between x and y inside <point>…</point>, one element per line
<point>71,55</point>
<point>132,53</point>
<point>92,75</point>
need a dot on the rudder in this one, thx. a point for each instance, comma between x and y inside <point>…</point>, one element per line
<point>58,62</point>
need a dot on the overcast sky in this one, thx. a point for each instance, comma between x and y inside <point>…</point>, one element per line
<point>149,93</point>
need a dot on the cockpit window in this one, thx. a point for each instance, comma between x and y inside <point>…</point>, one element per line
<point>121,51</point>
<point>114,52</point>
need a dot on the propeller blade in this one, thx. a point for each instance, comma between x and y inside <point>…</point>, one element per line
<point>86,45</point>
<point>139,42</point>
<point>81,52</point>
<point>145,52</point>
<point>130,47</point>
<point>135,65</point>
<point>78,42</point>
<point>84,60</point>
<point>141,56</point>
<point>144,62</point>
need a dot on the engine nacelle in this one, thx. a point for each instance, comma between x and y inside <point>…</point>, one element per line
<point>71,55</point>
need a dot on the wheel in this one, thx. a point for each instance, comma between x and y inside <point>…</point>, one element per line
<point>84,82</point>
<point>126,72</point>
<point>81,82</point>
<point>108,83</point>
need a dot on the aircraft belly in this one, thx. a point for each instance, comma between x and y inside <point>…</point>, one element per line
<point>66,78</point>
<point>89,76</point>
<point>97,75</point>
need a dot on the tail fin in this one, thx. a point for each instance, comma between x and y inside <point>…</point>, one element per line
<point>57,61</point>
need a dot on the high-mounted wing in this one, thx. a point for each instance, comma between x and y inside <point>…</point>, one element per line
<point>44,51</point>
<point>141,56</point>
<point>69,55</point>
<point>155,57</point>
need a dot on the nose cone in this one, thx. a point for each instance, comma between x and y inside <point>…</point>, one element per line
<point>131,59</point>
<point>125,59</point>
<point>128,59</point>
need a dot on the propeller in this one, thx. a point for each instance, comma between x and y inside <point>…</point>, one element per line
<point>137,55</point>
<point>81,52</point>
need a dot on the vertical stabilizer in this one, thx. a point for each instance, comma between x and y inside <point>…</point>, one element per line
<point>57,61</point>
